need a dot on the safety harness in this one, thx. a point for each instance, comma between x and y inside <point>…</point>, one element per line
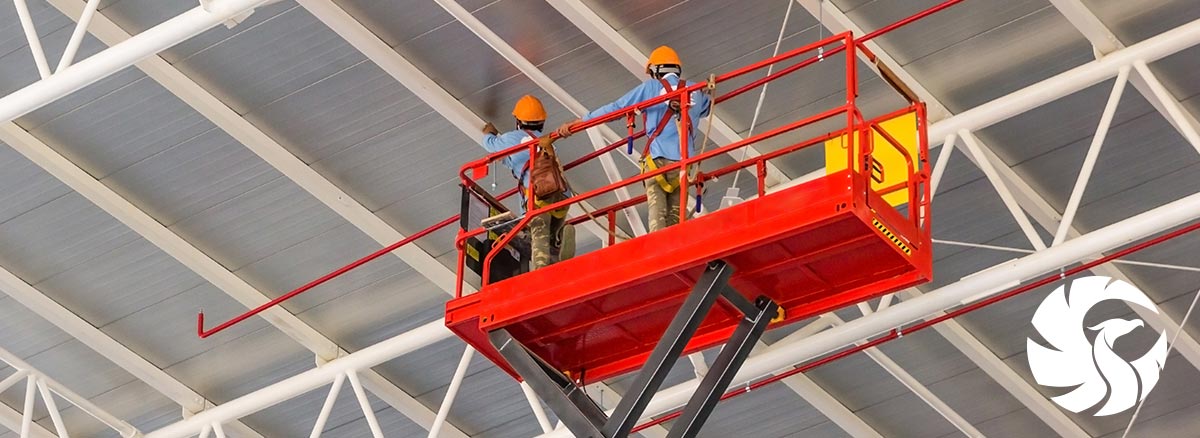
<point>538,203</point>
<point>647,162</point>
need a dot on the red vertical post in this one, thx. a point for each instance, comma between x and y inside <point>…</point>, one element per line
<point>612,227</point>
<point>760,168</point>
<point>685,124</point>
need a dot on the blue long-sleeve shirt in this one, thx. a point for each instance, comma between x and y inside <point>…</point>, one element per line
<point>516,161</point>
<point>666,145</point>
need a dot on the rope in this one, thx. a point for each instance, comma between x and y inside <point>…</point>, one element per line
<point>762,95</point>
<point>1171,345</point>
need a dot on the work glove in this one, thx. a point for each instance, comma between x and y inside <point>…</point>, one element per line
<point>489,128</point>
<point>564,131</point>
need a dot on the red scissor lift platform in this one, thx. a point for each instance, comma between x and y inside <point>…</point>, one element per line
<point>770,261</point>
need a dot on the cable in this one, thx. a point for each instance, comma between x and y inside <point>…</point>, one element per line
<point>762,95</point>
<point>1171,345</point>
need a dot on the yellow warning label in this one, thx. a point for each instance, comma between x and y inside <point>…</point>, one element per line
<point>892,166</point>
<point>895,240</point>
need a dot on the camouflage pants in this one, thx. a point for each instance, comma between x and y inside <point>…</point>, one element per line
<point>545,234</point>
<point>663,207</point>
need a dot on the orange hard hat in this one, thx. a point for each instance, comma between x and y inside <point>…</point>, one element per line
<point>663,55</point>
<point>529,109</point>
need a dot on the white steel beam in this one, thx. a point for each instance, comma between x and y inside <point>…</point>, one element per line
<point>208,105</point>
<point>914,385</point>
<point>115,58</point>
<point>1106,239</point>
<point>1105,42</point>
<point>299,384</point>
<point>45,386</point>
<point>200,263</point>
<point>986,360</point>
<point>634,60</point>
<point>421,85</point>
<point>607,135</point>
<point>1023,100</point>
<point>106,346</point>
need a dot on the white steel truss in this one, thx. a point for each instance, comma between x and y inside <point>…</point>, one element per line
<point>1071,250</point>
<point>49,391</point>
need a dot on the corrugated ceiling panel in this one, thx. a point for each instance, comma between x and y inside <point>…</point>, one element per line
<point>58,235</point>
<point>343,110</point>
<point>25,185</point>
<point>172,338</point>
<point>191,177</point>
<point>23,333</point>
<point>493,401</point>
<point>257,224</point>
<point>371,312</point>
<point>123,281</point>
<point>237,368</point>
<point>124,127</point>
<point>134,402</point>
<point>282,55</point>
<point>905,415</point>
<point>773,411</point>
<point>1137,21</point>
<point>62,363</point>
<point>939,31</point>
<point>1027,50</point>
<point>135,16</point>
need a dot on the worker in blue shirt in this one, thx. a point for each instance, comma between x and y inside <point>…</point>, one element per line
<point>662,128</point>
<point>548,232</point>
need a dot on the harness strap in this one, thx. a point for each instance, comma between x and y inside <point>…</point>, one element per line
<point>648,164</point>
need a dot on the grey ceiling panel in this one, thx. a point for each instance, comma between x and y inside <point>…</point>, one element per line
<point>392,423</point>
<point>135,16</point>
<point>942,30</point>
<point>173,338</point>
<point>191,177</point>
<point>398,22</point>
<point>495,400</point>
<point>979,399</point>
<point>239,367</point>
<point>280,56</point>
<point>46,19</point>
<point>1074,118</point>
<point>1176,71</point>
<point>928,357</point>
<point>591,76</point>
<point>469,67</point>
<point>23,185</point>
<point>1030,49</point>
<point>116,284</point>
<point>857,381</point>
<point>418,155</point>
<point>1181,422</point>
<point>121,128</point>
<point>62,364</point>
<point>1136,21</point>
<point>1018,423</point>
<point>905,416</point>
<point>135,402</point>
<point>1140,198</point>
<point>257,224</point>
<point>23,333</point>
<point>301,263</point>
<point>370,312</point>
<point>343,110</point>
<point>510,19</point>
<point>58,235</point>
<point>772,411</point>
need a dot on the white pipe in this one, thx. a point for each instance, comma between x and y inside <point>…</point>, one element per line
<point>1070,81</point>
<point>52,407</point>
<point>914,385</point>
<point>1089,161</point>
<point>786,356</point>
<point>943,160</point>
<point>1006,195</point>
<point>699,366</point>
<point>77,37</point>
<point>35,42</point>
<point>115,58</point>
<point>206,431</point>
<point>309,380</point>
<point>218,430</point>
<point>326,408</point>
<point>1026,251</point>
<point>27,413</point>
<point>365,404</point>
<point>125,429</point>
<point>12,380</point>
<point>455,383</point>
<point>1176,115</point>
<point>536,406</point>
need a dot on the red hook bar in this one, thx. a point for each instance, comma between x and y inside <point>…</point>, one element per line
<point>200,318</point>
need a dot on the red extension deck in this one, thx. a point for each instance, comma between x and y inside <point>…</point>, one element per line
<point>812,248</point>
